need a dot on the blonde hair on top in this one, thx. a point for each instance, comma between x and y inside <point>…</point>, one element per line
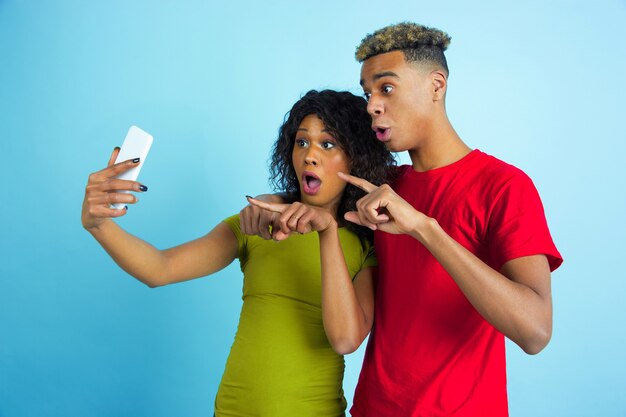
<point>419,43</point>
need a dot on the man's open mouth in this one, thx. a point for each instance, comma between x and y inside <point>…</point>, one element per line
<point>382,133</point>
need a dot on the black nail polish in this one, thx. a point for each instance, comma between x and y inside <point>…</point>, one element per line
<point>143,188</point>
<point>126,207</point>
<point>135,160</point>
<point>247,196</point>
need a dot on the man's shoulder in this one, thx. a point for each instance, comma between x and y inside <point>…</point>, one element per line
<point>477,168</point>
<point>485,160</point>
<point>493,169</point>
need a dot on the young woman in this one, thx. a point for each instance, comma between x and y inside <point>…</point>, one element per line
<point>286,359</point>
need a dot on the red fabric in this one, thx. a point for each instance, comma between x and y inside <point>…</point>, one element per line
<point>430,353</point>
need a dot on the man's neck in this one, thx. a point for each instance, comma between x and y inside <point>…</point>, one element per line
<point>442,148</point>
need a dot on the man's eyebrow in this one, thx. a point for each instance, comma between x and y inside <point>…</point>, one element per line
<point>381,75</point>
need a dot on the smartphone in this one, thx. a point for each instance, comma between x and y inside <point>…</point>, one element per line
<point>136,145</point>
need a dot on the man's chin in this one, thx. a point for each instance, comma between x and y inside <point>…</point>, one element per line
<point>392,146</point>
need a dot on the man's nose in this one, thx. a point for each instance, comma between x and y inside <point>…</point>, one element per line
<point>375,106</point>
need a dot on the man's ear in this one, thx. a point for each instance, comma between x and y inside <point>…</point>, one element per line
<point>440,84</point>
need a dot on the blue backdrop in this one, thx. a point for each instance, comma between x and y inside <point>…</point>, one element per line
<point>538,85</point>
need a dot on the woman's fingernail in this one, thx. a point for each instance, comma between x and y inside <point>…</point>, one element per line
<point>126,207</point>
<point>117,148</point>
<point>143,188</point>
<point>135,160</point>
<point>247,196</point>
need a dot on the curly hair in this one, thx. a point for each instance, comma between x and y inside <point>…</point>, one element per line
<point>346,118</point>
<point>419,43</point>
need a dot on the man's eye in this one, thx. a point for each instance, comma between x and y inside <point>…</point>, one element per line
<point>387,89</point>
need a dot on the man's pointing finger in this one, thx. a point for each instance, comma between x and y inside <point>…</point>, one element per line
<point>364,185</point>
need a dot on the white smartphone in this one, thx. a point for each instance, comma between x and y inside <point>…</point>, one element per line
<point>136,145</point>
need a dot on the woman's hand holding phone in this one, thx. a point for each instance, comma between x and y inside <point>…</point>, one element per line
<point>108,191</point>
<point>104,189</point>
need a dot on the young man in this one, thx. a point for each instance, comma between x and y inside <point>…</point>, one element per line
<point>463,247</point>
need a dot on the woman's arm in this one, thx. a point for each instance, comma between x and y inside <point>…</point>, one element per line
<point>347,305</point>
<point>149,265</point>
<point>155,267</point>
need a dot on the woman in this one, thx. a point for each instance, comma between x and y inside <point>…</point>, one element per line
<point>282,362</point>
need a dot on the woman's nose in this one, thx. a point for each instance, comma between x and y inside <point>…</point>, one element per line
<point>311,157</point>
<point>310,160</point>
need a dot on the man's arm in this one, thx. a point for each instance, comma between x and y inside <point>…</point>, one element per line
<point>516,300</point>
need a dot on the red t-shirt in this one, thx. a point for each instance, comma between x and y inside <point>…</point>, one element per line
<point>430,353</point>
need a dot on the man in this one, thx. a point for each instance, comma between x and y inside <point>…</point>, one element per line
<point>463,247</point>
<point>464,250</point>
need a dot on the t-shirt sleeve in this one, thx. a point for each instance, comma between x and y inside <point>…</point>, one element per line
<point>233,223</point>
<point>518,226</point>
<point>369,255</point>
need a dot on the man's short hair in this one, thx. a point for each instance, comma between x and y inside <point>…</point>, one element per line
<point>420,44</point>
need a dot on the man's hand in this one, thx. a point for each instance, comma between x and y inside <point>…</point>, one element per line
<point>383,209</point>
<point>295,217</point>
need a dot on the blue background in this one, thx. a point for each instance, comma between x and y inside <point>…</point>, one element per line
<point>538,85</point>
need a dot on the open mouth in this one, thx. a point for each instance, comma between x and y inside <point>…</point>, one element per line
<point>311,183</point>
<point>382,133</point>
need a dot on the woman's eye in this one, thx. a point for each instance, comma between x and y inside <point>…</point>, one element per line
<point>301,143</point>
<point>328,145</point>
<point>387,89</point>
<point>367,95</point>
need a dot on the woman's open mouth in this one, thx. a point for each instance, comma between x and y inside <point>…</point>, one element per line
<point>311,183</point>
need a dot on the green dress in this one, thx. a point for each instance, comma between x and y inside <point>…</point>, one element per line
<point>281,363</point>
